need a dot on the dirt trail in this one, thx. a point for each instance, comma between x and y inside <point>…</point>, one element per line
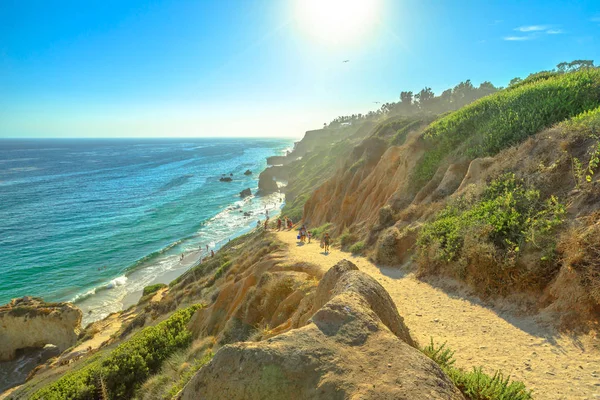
<point>553,365</point>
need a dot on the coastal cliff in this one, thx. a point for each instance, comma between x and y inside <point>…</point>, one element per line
<point>349,347</point>
<point>29,322</point>
<point>462,229</point>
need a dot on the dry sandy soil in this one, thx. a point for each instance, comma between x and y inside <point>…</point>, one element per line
<point>555,366</point>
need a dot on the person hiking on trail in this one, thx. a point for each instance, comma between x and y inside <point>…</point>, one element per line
<point>302,234</point>
<point>278,224</point>
<point>308,235</point>
<point>266,223</point>
<point>326,241</point>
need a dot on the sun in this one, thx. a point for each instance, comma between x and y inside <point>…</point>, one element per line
<point>337,22</point>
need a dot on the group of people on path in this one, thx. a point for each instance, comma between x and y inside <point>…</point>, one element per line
<point>305,236</point>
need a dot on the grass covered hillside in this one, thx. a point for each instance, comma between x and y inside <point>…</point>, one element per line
<point>488,194</point>
<point>506,118</point>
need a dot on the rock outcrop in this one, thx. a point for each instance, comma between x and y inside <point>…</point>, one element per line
<point>245,193</point>
<point>29,322</point>
<point>248,172</point>
<point>267,183</point>
<point>225,179</point>
<point>355,345</point>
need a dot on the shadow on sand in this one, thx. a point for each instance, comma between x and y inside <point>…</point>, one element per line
<point>527,321</point>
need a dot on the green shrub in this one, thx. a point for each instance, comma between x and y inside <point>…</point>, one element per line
<point>128,365</point>
<point>481,240</point>
<point>503,119</point>
<point>153,288</point>
<point>587,120</point>
<point>514,213</point>
<point>321,230</point>
<point>347,239</point>
<point>475,384</point>
<point>357,248</point>
<point>223,268</point>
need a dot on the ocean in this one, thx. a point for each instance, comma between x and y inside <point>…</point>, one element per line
<point>94,221</point>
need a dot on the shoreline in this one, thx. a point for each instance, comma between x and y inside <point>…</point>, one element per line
<point>125,290</point>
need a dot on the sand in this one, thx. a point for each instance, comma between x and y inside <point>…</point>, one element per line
<point>554,365</point>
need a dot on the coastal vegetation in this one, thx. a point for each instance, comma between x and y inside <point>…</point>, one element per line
<point>507,118</point>
<point>482,240</point>
<point>499,195</point>
<point>476,384</point>
<point>120,372</point>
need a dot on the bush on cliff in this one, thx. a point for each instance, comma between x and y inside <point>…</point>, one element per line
<point>475,384</point>
<point>484,241</point>
<point>125,368</point>
<point>153,288</point>
<point>495,122</point>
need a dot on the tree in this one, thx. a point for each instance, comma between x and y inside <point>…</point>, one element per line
<point>424,97</point>
<point>514,81</point>
<point>406,98</point>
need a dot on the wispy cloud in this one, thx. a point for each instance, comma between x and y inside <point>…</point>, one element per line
<point>532,28</point>
<point>518,38</point>
<point>554,31</point>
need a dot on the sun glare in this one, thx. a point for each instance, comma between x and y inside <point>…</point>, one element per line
<point>337,21</point>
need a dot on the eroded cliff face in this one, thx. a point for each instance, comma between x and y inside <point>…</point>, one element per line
<point>29,322</point>
<point>355,345</point>
<point>372,177</point>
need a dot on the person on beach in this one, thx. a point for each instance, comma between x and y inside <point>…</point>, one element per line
<point>207,248</point>
<point>278,224</point>
<point>212,254</point>
<point>326,241</point>
<point>181,258</point>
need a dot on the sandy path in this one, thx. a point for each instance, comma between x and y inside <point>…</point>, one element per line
<point>554,366</point>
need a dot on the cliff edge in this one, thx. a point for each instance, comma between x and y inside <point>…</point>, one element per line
<point>355,345</point>
<point>30,322</point>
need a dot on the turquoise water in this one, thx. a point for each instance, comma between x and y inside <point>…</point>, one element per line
<point>92,221</point>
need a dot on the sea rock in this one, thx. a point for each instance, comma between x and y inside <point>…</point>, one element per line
<point>30,322</point>
<point>354,346</point>
<point>248,172</point>
<point>245,193</point>
<point>267,183</point>
<point>226,179</point>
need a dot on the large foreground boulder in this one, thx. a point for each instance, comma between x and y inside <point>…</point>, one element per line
<point>355,346</point>
<point>30,322</point>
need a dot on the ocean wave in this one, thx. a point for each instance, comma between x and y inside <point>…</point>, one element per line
<point>113,283</point>
<point>144,260</point>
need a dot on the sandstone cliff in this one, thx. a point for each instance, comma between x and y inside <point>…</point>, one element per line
<point>29,322</point>
<point>355,345</point>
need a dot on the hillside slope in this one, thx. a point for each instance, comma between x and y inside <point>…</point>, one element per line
<point>466,176</point>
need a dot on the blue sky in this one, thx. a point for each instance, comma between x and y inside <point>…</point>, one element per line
<point>255,68</point>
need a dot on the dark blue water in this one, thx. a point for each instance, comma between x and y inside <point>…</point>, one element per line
<point>82,216</point>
